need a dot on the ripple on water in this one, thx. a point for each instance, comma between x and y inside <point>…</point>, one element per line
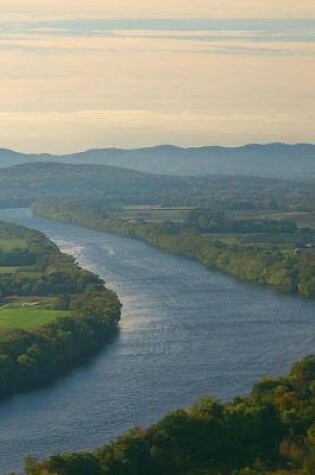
<point>185,332</point>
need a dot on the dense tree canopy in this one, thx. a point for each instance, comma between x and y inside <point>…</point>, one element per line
<point>279,267</point>
<point>24,184</point>
<point>29,359</point>
<point>270,431</point>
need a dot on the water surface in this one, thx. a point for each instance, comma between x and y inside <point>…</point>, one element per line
<point>185,332</point>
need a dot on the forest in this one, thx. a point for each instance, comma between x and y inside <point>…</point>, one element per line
<point>53,314</point>
<point>21,185</point>
<point>253,257</point>
<point>255,229</point>
<point>270,431</point>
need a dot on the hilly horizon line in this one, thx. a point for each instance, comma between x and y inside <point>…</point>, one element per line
<point>168,146</point>
<point>273,160</point>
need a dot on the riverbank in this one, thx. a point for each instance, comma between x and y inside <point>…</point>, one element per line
<point>271,431</point>
<point>186,331</point>
<point>281,269</point>
<point>53,313</point>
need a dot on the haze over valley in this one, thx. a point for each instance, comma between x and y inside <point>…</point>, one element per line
<point>295,162</point>
<point>157,237</point>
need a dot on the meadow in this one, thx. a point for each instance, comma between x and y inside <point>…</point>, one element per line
<point>268,240</point>
<point>27,318</point>
<point>53,314</point>
<point>160,214</point>
<point>12,244</point>
<point>22,308</point>
<point>154,214</point>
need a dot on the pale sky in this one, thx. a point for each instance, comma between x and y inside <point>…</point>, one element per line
<point>127,73</point>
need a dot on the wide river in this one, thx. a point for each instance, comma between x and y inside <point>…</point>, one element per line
<point>185,332</point>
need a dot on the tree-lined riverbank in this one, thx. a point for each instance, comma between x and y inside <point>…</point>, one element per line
<point>53,314</point>
<point>282,269</point>
<point>270,431</point>
<point>186,332</point>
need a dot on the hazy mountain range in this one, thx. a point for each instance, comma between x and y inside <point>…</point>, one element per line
<point>273,160</point>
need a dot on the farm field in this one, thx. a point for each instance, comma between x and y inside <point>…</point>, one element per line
<point>11,269</point>
<point>301,219</point>
<point>21,268</point>
<point>154,214</point>
<point>159,214</point>
<point>12,244</point>
<point>28,271</point>
<point>53,314</point>
<point>264,240</point>
<point>27,319</point>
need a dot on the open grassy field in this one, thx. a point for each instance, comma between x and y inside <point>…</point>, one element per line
<point>47,303</point>
<point>10,244</point>
<point>301,219</point>
<point>29,270</point>
<point>27,319</point>
<point>154,214</point>
<point>158,214</point>
<point>9,269</point>
<point>263,240</point>
<point>20,309</point>
<point>24,272</point>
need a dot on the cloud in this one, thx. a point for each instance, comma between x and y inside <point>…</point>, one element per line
<point>81,130</point>
<point>67,83</point>
<point>138,91</point>
<point>89,27</point>
<point>225,36</point>
<point>23,9</point>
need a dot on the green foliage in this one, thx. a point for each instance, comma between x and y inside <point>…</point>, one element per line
<point>278,266</point>
<point>73,316</point>
<point>252,435</point>
<point>213,221</point>
<point>24,184</point>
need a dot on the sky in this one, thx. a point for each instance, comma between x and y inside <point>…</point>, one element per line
<point>78,74</point>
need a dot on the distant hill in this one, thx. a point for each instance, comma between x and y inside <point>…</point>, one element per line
<point>9,158</point>
<point>272,160</point>
<point>21,185</point>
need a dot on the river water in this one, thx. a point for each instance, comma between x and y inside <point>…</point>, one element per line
<point>185,332</point>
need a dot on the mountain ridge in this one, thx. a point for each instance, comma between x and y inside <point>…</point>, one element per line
<point>273,160</point>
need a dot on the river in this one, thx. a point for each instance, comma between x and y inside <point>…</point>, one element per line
<point>185,332</point>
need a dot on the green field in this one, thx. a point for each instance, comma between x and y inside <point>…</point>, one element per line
<point>301,219</point>
<point>24,270</point>
<point>27,319</point>
<point>158,214</point>
<point>264,240</point>
<point>46,303</point>
<point>153,214</point>
<point>9,269</point>
<point>10,244</point>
